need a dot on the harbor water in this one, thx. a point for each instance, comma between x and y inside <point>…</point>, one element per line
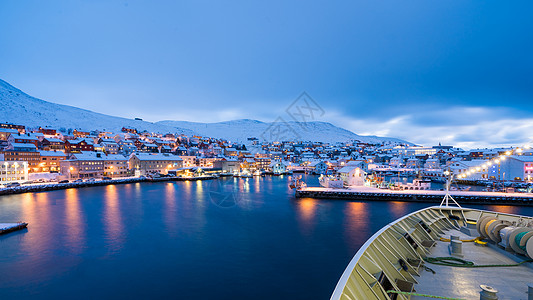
<point>220,239</point>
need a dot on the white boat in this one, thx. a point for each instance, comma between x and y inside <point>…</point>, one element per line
<point>329,181</point>
<point>417,184</point>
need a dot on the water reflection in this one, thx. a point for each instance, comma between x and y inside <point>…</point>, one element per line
<point>75,224</point>
<point>398,209</point>
<point>507,209</point>
<point>357,222</point>
<point>113,219</point>
<point>307,212</point>
<point>36,212</point>
<point>169,210</point>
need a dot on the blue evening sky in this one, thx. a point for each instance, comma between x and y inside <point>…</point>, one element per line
<point>456,72</point>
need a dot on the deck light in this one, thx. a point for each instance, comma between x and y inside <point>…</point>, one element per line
<point>497,161</point>
<point>503,158</point>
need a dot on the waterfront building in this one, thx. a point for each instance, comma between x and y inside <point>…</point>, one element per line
<point>188,160</point>
<point>13,171</point>
<point>50,161</point>
<point>146,164</point>
<point>83,166</point>
<point>352,175</point>
<point>319,167</point>
<point>467,167</point>
<point>116,166</point>
<point>277,167</point>
<point>515,167</point>
<point>31,157</point>
<point>227,165</point>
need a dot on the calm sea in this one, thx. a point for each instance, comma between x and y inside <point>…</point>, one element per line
<point>225,239</point>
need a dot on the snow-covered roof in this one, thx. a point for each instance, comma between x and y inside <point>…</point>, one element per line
<point>7,130</point>
<point>523,158</point>
<point>347,169</point>
<point>23,145</point>
<point>98,156</point>
<point>54,140</point>
<point>52,153</point>
<point>159,156</point>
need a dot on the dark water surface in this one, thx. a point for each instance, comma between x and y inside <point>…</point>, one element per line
<point>231,238</point>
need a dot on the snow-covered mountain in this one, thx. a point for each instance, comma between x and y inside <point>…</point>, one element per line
<point>19,108</point>
<point>240,130</point>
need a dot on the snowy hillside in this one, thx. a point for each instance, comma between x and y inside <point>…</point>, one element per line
<point>240,130</point>
<point>19,108</point>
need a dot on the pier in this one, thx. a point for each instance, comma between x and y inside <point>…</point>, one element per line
<point>375,194</point>
<point>62,186</point>
<point>8,227</point>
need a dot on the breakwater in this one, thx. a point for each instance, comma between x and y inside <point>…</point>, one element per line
<point>62,186</point>
<point>365,194</point>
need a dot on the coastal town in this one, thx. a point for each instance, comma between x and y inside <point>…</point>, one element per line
<point>44,155</point>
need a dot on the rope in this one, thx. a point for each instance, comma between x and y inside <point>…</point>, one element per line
<point>457,262</point>
<point>479,238</point>
<point>518,237</point>
<point>422,295</point>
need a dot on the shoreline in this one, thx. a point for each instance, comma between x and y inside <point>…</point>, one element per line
<point>64,186</point>
<point>426,196</point>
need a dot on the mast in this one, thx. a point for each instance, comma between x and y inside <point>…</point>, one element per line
<point>448,198</point>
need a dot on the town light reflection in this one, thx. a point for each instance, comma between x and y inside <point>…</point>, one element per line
<point>75,225</point>
<point>356,222</point>
<point>307,212</point>
<point>398,209</point>
<point>113,219</point>
<point>507,209</point>
<point>170,210</point>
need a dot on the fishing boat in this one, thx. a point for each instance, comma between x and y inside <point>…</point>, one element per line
<point>444,252</point>
<point>329,181</point>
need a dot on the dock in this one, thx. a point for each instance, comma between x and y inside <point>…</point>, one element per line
<point>376,194</point>
<point>9,227</point>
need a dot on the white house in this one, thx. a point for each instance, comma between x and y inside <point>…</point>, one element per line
<point>352,175</point>
<point>277,167</point>
<point>319,167</point>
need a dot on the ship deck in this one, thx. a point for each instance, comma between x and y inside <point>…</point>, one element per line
<point>464,283</point>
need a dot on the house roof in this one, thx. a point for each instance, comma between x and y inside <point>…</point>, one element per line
<point>159,156</point>
<point>23,145</point>
<point>52,153</point>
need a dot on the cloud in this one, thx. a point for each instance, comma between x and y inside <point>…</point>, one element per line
<point>466,127</point>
